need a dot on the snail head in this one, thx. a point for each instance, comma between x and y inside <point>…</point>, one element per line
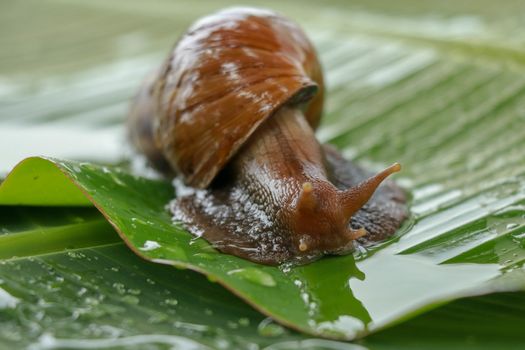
<point>322,213</point>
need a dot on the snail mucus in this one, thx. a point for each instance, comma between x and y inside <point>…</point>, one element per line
<point>232,113</point>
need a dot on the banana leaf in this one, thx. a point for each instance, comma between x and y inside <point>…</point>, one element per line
<point>103,296</point>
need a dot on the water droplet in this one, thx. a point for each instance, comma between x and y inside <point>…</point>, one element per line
<point>268,328</point>
<point>519,236</point>
<point>511,226</point>
<point>192,326</point>
<point>7,301</point>
<point>119,287</point>
<point>243,321</point>
<point>139,221</point>
<point>150,245</point>
<point>232,325</point>
<point>286,267</point>
<point>76,168</point>
<point>171,302</point>
<point>134,291</point>
<point>157,318</point>
<point>130,299</point>
<point>305,297</point>
<point>75,255</point>
<point>113,176</point>
<point>91,301</point>
<point>254,275</point>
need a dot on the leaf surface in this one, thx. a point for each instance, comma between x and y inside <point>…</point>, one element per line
<point>335,297</point>
<point>103,296</point>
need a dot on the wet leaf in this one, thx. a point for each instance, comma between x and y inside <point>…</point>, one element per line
<point>104,296</point>
<point>335,297</point>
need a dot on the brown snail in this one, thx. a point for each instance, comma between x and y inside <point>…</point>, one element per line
<point>232,112</point>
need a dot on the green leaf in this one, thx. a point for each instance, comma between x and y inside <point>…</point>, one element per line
<point>335,297</point>
<point>104,296</point>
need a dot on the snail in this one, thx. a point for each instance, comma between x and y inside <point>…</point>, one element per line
<point>232,113</point>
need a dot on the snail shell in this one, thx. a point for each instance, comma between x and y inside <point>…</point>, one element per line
<point>232,112</point>
<point>227,74</point>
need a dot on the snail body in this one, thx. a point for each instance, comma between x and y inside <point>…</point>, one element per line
<point>232,112</point>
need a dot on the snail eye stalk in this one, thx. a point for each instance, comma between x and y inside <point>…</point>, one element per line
<point>355,197</point>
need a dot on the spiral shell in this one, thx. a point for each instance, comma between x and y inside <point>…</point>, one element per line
<point>227,74</point>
